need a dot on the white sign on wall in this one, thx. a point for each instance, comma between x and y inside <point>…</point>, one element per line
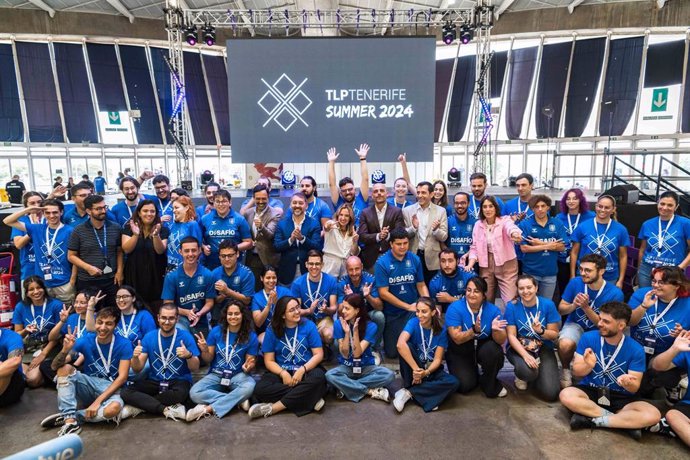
<point>115,128</point>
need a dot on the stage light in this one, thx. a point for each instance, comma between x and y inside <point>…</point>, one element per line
<point>454,177</point>
<point>448,33</point>
<point>209,34</point>
<point>191,36</point>
<point>466,34</point>
<point>288,180</point>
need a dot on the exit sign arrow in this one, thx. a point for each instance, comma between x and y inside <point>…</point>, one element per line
<point>660,100</point>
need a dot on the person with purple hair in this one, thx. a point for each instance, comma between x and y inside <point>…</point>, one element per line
<point>574,210</point>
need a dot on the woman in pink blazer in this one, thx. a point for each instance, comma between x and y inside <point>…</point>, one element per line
<point>492,246</point>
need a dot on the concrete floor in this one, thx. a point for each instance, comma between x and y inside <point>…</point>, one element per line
<point>519,426</point>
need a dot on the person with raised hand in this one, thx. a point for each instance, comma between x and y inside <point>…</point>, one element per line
<point>344,193</point>
<point>402,186</point>
<point>231,348</point>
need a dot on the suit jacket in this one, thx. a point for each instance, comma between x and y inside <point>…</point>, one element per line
<point>432,244</point>
<point>369,228</point>
<point>295,253</point>
<point>263,240</point>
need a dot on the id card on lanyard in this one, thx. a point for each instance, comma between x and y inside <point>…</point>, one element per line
<point>104,248</point>
<point>650,339</point>
<point>601,239</point>
<point>292,347</point>
<point>166,359</point>
<point>603,392</point>
<point>229,354</point>
<point>662,235</point>
<point>426,348</point>
<point>106,363</point>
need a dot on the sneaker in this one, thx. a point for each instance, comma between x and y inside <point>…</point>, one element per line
<point>578,422</point>
<point>245,405</point>
<point>260,410</point>
<point>339,394</point>
<point>129,411</point>
<point>566,378</point>
<point>401,398</point>
<point>434,409</point>
<point>662,428</point>
<point>380,393</point>
<point>503,393</point>
<point>672,395</point>
<point>377,358</point>
<point>176,412</point>
<point>53,421</point>
<point>319,405</point>
<point>520,384</point>
<point>72,427</point>
<point>196,413</point>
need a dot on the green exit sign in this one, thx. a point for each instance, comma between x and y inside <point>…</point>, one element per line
<point>660,100</point>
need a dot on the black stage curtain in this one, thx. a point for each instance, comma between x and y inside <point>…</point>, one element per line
<point>551,86</point>
<point>522,65</point>
<point>444,70</point>
<point>11,125</point>
<point>461,100</point>
<point>497,73</point>
<point>588,59</point>
<point>135,66</point>
<point>664,64</point>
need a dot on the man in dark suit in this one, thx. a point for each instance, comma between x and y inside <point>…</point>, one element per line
<point>375,225</point>
<point>295,236</point>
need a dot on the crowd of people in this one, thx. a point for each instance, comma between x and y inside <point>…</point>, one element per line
<point>121,305</point>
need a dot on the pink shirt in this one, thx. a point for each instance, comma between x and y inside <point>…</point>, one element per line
<point>502,246</point>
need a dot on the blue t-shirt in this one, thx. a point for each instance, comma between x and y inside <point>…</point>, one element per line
<point>259,301</point>
<point>429,341</point>
<point>459,314</point>
<point>475,206</point>
<point>630,358</point>
<point>164,208</point>
<point>27,256</point>
<point>9,342</point>
<point>674,241</point>
<point>460,234</point>
<point>358,206</point>
<point>75,324</point>
<point>72,218</point>
<point>454,286</point>
<point>165,365</point>
<point>178,232</point>
<point>94,365</point>
<point>189,292</point>
<point>99,184</point>
<point>201,211</point>
<point>400,277</point>
<point>45,317</point>
<point>542,263</point>
<point>516,206</point>
<point>590,234</point>
<point>55,259</point>
<point>610,293</point>
<point>310,292</point>
<point>367,278</point>
<point>570,226</point>
<point>661,331</point>
<point>370,336</point>
<point>240,280</point>
<point>135,327</point>
<point>215,229</point>
<point>682,361</point>
<point>232,357</point>
<point>123,212</point>
<point>402,205</point>
<point>522,317</point>
<point>292,353</point>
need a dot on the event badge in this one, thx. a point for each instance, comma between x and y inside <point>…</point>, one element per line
<point>603,396</point>
<point>46,273</point>
<point>163,386</point>
<point>356,365</point>
<point>649,344</point>
<point>225,379</point>
<point>107,270</point>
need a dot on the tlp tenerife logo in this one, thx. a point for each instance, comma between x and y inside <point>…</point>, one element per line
<point>284,102</point>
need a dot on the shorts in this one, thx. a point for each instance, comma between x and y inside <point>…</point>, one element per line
<point>14,390</point>
<point>683,408</point>
<point>64,293</point>
<point>571,331</point>
<point>618,400</point>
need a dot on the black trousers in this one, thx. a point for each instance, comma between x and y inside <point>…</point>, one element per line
<point>464,361</point>
<point>299,399</point>
<point>146,395</point>
<point>428,274</point>
<point>107,287</point>
<point>652,380</point>
<point>14,390</point>
<point>253,262</point>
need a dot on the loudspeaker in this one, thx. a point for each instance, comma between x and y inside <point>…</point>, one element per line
<point>624,193</point>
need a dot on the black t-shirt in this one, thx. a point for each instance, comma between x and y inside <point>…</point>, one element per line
<point>15,189</point>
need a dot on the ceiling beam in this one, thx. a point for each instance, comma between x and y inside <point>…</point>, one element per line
<point>574,5</point>
<point>122,9</point>
<point>44,6</point>
<point>502,9</point>
<point>241,6</point>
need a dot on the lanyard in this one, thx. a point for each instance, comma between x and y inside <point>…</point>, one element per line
<point>313,297</point>
<point>520,211</point>
<point>50,244</point>
<point>166,360</point>
<point>127,329</point>
<point>129,210</point>
<point>292,347</point>
<point>600,238</point>
<point>43,319</point>
<point>571,227</point>
<point>229,356</point>
<point>352,343</point>
<point>426,348</point>
<point>104,245</point>
<point>657,315</point>
<point>80,329</point>
<point>106,364</point>
<point>665,232</point>
<point>532,318</point>
<point>311,208</point>
<point>604,365</point>
<point>479,314</point>
<point>475,208</point>
<point>591,302</point>
<point>163,209</point>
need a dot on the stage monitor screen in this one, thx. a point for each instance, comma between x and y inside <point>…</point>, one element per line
<point>291,100</point>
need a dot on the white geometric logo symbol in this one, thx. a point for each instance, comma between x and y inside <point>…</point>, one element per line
<point>284,102</point>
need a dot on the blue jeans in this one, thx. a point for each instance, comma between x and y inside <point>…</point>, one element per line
<point>209,391</point>
<point>380,321</point>
<point>644,274</point>
<point>355,387</point>
<point>83,389</point>
<point>201,325</point>
<point>394,327</point>
<point>547,286</point>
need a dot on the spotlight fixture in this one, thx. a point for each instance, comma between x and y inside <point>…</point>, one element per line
<point>454,177</point>
<point>190,35</point>
<point>466,34</point>
<point>209,34</point>
<point>448,33</point>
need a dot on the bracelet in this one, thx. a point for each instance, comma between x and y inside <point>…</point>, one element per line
<point>643,307</point>
<point>362,159</point>
<point>305,368</point>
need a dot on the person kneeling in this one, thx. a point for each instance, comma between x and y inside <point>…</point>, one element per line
<point>421,346</point>
<point>357,375</point>
<point>104,372</point>
<point>292,355</point>
<point>611,366</point>
<point>231,349</point>
<point>174,355</point>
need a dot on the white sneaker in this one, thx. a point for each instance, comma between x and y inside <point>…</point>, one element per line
<point>566,378</point>
<point>503,393</point>
<point>245,405</point>
<point>380,393</point>
<point>196,413</point>
<point>377,358</point>
<point>319,405</point>
<point>260,410</point>
<point>129,411</point>
<point>401,398</point>
<point>176,412</point>
<point>520,384</point>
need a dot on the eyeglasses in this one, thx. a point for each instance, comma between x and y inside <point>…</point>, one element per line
<point>100,208</point>
<point>228,256</point>
<point>167,319</point>
<point>221,202</point>
<point>313,264</point>
<point>122,297</point>
<point>658,282</point>
<point>160,188</point>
